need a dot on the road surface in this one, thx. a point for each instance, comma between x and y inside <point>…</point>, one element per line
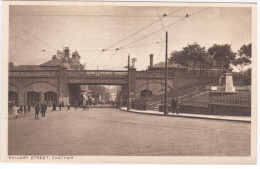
<point>110,131</point>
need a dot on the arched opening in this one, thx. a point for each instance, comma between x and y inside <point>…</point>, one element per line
<point>12,98</point>
<point>33,98</point>
<point>146,93</point>
<point>50,98</point>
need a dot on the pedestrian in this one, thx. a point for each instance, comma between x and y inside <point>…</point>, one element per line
<point>37,110</point>
<point>75,107</point>
<point>68,105</point>
<point>21,109</point>
<point>44,108</point>
<point>29,108</point>
<point>54,106</point>
<point>60,105</point>
<point>177,106</point>
<point>25,109</point>
<point>16,111</point>
<point>173,105</point>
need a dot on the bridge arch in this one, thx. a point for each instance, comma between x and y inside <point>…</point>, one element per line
<point>39,87</point>
<point>155,87</point>
<point>13,93</point>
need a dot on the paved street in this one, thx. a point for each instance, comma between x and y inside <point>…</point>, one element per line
<point>108,131</point>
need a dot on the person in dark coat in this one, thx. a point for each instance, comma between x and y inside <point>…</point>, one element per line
<point>173,105</point>
<point>29,109</point>
<point>54,106</point>
<point>37,110</point>
<point>44,108</point>
<point>60,105</point>
<point>68,105</point>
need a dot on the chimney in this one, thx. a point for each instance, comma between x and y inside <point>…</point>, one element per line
<point>151,60</point>
<point>67,52</point>
<point>54,57</point>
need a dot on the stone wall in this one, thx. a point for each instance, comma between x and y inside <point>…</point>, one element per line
<point>24,85</point>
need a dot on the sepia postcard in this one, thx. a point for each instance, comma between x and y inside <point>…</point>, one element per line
<point>129,82</point>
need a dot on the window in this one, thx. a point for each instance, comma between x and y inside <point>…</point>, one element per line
<point>12,96</point>
<point>50,96</point>
<point>33,96</point>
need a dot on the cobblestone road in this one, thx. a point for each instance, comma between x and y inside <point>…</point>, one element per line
<point>108,131</point>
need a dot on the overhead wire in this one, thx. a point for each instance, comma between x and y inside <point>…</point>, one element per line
<point>42,50</point>
<point>160,17</point>
<point>143,28</point>
<point>110,58</point>
<point>33,35</point>
<point>95,60</point>
<point>163,28</point>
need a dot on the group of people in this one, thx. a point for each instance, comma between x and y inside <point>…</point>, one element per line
<point>19,110</point>
<point>40,109</point>
<point>60,105</point>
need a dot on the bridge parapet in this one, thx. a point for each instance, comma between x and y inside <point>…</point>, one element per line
<point>98,74</point>
<point>153,74</point>
<point>42,73</point>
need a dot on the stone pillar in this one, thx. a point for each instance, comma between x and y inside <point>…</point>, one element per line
<point>132,83</point>
<point>22,97</point>
<point>63,87</point>
<point>228,86</point>
<point>41,97</point>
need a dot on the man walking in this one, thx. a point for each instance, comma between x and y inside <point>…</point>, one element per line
<point>54,106</point>
<point>60,106</point>
<point>37,110</point>
<point>44,108</point>
<point>29,109</point>
<point>68,105</point>
<point>173,105</point>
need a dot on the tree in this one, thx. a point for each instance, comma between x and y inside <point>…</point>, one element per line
<point>195,54</point>
<point>177,58</point>
<point>223,54</point>
<point>244,57</point>
<point>192,56</point>
<point>245,50</point>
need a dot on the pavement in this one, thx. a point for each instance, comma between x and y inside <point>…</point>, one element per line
<point>188,115</point>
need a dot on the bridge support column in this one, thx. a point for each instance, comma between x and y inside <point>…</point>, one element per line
<point>132,83</point>
<point>63,87</point>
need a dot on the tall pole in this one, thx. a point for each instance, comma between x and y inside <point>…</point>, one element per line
<point>128,90</point>
<point>166,74</point>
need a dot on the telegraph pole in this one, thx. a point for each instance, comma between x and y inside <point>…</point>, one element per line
<point>166,75</point>
<point>128,90</point>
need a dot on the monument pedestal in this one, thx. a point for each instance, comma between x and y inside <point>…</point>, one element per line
<point>226,83</point>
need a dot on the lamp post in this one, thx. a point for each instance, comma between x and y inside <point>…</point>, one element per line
<point>166,74</point>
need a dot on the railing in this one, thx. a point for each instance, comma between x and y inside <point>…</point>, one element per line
<point>33,73</point>
<point>237,99</point>
<point>181,92</point>
<point>152,74</point>
<point>97,73</point>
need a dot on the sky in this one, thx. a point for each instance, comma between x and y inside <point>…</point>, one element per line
<point>37,32</point>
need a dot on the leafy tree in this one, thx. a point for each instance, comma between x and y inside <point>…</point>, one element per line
<point>244,57</point>
<point>195,54</point>
<point>177,58</point>
<point>191,56</point>
<point>223,55</point>
<point>241,62</point>
<point>245,51</point>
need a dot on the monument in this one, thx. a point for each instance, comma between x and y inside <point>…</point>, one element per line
<point>226,81</point>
